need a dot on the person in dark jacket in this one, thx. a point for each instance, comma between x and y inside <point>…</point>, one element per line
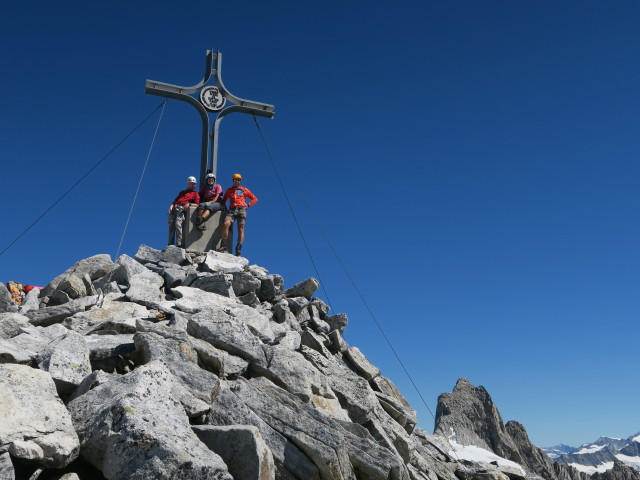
<point>178,208</point>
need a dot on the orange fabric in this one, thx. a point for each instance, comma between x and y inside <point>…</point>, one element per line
<point>237,195</point>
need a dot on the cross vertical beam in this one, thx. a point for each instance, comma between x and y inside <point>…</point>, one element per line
<point>210,99</point>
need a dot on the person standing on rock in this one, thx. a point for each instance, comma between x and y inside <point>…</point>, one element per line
<point>178,208</point>
<point>210,198</point>
<point>238,205</point>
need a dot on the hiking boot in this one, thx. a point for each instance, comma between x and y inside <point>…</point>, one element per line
<point>222,248</point>
<point>199,221</point>
<point>238,249</point>
<point>202,226</point>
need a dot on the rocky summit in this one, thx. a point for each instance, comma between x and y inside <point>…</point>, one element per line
<point>190,365</point>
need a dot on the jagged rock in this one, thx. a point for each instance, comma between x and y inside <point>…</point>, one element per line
<point>95,378</point>
<point>305,288</point>
<point>30,302</point>
<point>270,286</point>
<point>46,316</point>
<point>145,288</point>
<point>11,323</point>
<point>282,313</point>
<point>67,361</point>
<point>69,476</point>
<point>170,254</point>
<point>223,262</point>
<point>244,282</point>
<point>361,363</point>
<point>7,472</point>
<point>335,451</point>
<point>336,342</point>
<point>297,304</point>
<point>123,270</point>
<point>182,361</point>
<point>57,297</point>
<point>249,299</point>
<point>337,322</point>
<point>291,340</point>
<point>173,277</point>
<point>74,286</point>
<point>96,267</point>
<point>6,303</point>
<point>219,283</point>
<point>257,271</point>
<point>322,307</point>
<point>242,449</point>
<point>122,435</point>
<point>470,412</point>
<point>35,425</point>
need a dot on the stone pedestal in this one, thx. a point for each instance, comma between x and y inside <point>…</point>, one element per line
<point>203,240</point>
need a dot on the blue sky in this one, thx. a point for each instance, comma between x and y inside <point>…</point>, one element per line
<point>475,164</point>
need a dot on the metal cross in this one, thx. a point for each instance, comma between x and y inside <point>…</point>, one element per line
<point>210,99</point>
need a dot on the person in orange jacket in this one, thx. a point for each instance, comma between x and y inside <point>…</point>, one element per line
<point>238,205</point>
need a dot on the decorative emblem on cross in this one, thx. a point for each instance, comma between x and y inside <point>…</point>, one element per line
<point>210,99</point>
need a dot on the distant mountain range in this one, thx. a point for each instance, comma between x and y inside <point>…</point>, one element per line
<point>599,455</point>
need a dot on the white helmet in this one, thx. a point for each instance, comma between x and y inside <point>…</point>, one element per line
<point>191,180</point>
<point>210,175</point>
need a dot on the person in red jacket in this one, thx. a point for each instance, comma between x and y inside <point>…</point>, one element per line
<point>238,205</point>
<point>178,208</point>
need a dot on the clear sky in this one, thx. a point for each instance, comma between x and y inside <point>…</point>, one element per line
<point>475,164</point>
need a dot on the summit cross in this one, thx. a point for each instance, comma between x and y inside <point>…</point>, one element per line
<point>210,99</point>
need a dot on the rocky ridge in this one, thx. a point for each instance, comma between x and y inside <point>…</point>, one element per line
<point>467,416</point>
<point>179,365</point>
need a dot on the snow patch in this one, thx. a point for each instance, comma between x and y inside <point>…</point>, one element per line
<point>636,439</point>
<point>479,455</point>
<point>627,459</point>
<point>591,470</point>
<point>589,449</point>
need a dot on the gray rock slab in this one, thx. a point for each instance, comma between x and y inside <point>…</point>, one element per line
<point>67,361</point>
<point>336,451</point>
<point>242,449</point>
<point>244,282</point>
<point>30,302</point>
<point>26,347</point>
<point>11,323</point>
<point>181,360</point>
<point>6,303</point>
<point>305,288</point>
<point>133,427</point>
<point>46,316</point>
<point>297,304</point>
<point>96,267</point>
<point>125,267</point>
<point>74,286</point>
<point>223,262</point>
<point>109,316</point>
<point>35,425</point>
<point>7,472</point>
<point>219,283</point>
<point>229,409</point>
<point>250,299</point>
<point>227,333</point>
<point>291,371</point>
<point>217,361</point>
<point>145,289</point>
<point>361,363</point>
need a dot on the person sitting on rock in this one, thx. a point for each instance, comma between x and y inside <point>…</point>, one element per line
<point>178,208</point>
<point>237,211</point>
<point>210,198</point>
